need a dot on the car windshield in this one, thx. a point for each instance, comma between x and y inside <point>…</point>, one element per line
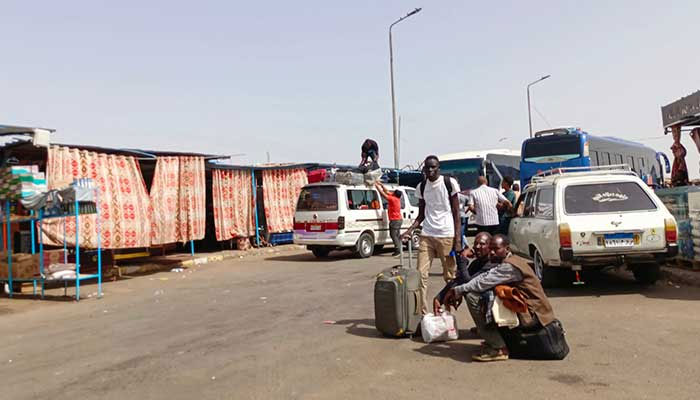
<point>549,149</point>
<point>411,193</point>
<point>606,197</point>
<point>318,198</point>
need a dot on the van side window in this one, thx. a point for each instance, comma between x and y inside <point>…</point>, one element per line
<point>545,203</point>
<point>529,200</point>
<point>363,200</point>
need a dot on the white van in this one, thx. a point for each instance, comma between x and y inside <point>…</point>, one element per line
<point>331,216</point>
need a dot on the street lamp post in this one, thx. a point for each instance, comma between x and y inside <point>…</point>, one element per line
<point>393,97</point>
<point>529,113</point>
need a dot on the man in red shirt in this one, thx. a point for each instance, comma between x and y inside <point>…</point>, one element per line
<point>394,205</point>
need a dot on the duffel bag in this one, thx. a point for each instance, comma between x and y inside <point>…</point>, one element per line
<point>546,343</point>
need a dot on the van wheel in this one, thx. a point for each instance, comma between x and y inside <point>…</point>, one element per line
<point>365,245</point>
<point>646,274</point>
<point>321,252</point>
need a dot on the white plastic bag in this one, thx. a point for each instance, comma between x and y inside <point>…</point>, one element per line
<point>439,328</point>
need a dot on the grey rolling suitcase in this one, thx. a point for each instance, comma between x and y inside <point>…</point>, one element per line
<point>397,300</point>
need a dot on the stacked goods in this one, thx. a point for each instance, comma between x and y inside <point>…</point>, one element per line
<point>19,182</point>
<point>695,233</point>
<point>26,266</point>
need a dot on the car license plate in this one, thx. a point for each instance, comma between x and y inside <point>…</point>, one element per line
<point>315,228</point>
<point>619,240</point>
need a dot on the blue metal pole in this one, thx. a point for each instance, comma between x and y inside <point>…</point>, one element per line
<point>65,246</point>
<point>9,245</point>
<point>192,247</point>
<point>99,244</point>
<point>31,213</point>
<point>255,208</point>
<point>41,253</point>
<point>77,252</point>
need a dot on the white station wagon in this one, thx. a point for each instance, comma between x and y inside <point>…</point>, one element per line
<point>593,218</point>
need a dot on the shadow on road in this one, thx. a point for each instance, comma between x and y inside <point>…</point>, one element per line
<point>611,283</point>
<point>309,257</point>
<point>363,328</point>
<point>457,351</point>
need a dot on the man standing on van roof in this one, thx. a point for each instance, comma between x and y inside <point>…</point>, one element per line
<point>484,202</point>
<point>438,211</point>
<point>370,149</point>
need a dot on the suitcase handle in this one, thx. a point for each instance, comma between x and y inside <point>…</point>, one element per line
<point>410,252</point>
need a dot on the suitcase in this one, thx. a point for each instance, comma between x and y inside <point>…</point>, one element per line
<point>546,343</point>
<point>397,300</point>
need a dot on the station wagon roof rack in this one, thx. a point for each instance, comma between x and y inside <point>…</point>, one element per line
<point>618,169</point>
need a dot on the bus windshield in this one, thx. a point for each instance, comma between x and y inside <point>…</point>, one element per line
<point>466,171</point>
<point>549,149</point>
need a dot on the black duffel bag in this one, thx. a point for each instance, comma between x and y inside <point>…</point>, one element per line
<point>545,343</point>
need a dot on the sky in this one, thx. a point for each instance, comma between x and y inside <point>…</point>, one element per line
<point>308,81</point>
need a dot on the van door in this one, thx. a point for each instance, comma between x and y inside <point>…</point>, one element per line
<point>365,213</point>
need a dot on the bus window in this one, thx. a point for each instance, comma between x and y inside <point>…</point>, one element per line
<point>594,158</point>
<point>618,159</point>
<point>550,149</point>
<point>641,164</point>
<point>630,161</point>
<point>606,158</point>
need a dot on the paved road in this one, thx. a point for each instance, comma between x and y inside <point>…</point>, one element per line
<point>253,329</point>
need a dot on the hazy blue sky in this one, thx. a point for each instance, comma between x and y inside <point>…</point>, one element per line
<point>309,80</point>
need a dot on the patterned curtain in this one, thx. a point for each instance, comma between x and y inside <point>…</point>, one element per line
<point>233,204</point>
<point>192,216</point>
<point>165,201</point>
<point>125,212</point>
<point>178,200</point>
<point>281,188</point>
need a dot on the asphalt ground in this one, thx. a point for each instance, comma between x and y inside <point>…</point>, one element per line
<point>289,326</point>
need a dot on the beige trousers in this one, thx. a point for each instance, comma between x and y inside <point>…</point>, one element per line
<point>431,248</point>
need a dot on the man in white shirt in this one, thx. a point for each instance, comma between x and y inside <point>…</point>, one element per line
<point>441,233</point>
<point>484,202</point>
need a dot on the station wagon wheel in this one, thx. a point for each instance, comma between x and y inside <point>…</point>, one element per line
<point>365,245</point>
<point>539,265</point>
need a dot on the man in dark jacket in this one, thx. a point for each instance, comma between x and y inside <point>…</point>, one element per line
<point>503,269</point>
<point>466,270</point>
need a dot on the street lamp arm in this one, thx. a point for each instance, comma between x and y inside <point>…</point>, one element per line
<point>417,10</point>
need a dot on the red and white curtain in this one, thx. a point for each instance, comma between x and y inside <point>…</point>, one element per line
<point>232,196</point>
<point>281,188</point>
<point>178,200</point>
<point>124,205</point>
<point>165,191</point>
<point>193,212</point>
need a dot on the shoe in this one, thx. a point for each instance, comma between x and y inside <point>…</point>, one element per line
<point>489,354</point>
<point>395,254</point>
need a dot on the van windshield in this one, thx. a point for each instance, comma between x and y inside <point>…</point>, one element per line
<point>318,198</point>
<point>606,197</point>
<point>411,193</point>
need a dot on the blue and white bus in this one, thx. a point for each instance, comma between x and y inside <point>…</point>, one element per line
<point>572,147</point>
